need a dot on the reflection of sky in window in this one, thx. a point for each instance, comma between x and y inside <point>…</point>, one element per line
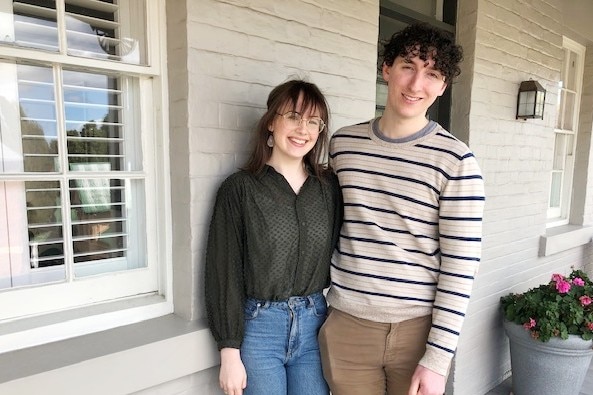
<point>36,32</point>
<point>38,110</point>
<point>84,96</point>
<point>85,79</point>
<point>36,20</point>
<point>28,90</point>
<point>38,118</point>
<point>47,128</point>
<point>82,89</point>
<point>35,73</point>
<point>89,41</point>
<point>77,113</point>
<point>77,25</point>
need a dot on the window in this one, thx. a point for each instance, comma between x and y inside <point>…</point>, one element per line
<point>78,200</point>
<point>567,117</point>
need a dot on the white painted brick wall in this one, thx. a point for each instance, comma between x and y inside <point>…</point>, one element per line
<point>237,51</point>
<point>514,41</point>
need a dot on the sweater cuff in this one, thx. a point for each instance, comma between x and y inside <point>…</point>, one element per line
<point>228,343</point>
<point>436,361</point>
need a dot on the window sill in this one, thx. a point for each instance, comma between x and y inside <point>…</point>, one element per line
<point>564,238</point>
<point>38,330</point>
<point>134,357</point>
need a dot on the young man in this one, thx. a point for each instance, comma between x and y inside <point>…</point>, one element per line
<point>411,238</point>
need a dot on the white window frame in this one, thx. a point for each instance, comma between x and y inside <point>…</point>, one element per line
<point>560,215</point>
<point>26,311</point>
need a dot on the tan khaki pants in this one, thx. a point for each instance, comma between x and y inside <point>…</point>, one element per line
<point>362,357</point>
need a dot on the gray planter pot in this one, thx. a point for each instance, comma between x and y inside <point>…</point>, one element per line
<point>551,368</point>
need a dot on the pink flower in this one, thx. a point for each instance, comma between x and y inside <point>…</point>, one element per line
<point>578,281</point>
<point>585,300</point>
<point>557,277</point>
<point>530,324</point>
<point>563,286</point>
<point>590,326</point>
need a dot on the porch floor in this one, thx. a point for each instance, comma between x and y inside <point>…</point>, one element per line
<point>505,387</point>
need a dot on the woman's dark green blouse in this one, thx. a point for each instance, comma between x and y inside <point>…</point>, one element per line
<point>267,242</point>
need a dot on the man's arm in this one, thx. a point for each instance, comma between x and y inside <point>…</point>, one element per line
<point>460,229</point>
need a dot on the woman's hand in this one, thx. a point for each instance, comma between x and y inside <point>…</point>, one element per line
<point>233,377</point>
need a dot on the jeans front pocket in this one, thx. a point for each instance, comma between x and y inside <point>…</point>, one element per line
<point>319,305</point>
<point>251,308</point>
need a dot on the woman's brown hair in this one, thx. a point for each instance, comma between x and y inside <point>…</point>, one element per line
<point>286,96</point>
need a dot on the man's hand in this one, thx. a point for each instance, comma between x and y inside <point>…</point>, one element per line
<point>233,378</point>
<point>426,382</point>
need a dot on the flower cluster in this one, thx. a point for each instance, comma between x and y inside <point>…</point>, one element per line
<point>560,308</point>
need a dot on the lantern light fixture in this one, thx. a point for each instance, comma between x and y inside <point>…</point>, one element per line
<point>531,100</point>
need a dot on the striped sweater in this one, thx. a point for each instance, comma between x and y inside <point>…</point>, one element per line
<point>410,243</point>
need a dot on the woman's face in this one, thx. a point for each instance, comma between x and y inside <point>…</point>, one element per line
<point>295,132</point>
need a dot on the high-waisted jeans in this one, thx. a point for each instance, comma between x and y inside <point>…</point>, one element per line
<point>280,350</point>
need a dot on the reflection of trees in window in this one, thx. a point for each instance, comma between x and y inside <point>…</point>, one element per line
<point>90,143</point>
<point>98,231</point>
<point>43,197</point>
<point>39,150</point>
<point>45,223</point>
<point>94,139</point>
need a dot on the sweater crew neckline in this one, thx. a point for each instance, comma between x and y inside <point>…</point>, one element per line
<point>376,135</point>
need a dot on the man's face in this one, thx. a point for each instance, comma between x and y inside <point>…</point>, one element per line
<point>413,85</point>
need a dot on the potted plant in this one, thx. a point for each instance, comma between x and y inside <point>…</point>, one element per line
<point>550,329</point>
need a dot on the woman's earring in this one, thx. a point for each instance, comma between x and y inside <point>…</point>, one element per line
<point>270,142</point>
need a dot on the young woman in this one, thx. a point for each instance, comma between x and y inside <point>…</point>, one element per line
<point>273,230</point>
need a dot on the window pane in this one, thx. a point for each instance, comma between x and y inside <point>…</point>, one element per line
<point>556,189</point>
<point>568,110</point>
<point>559,106</point>
<point>106,29</point>
<point>572,58</point>
<point>102,224</point>
<point>103,29</point>
<point>38,118</point>
<point>44,218</point>
<point>97,220</point>
<point>93,112</point>
<point>35,24</point>
<point>33,251</point>
<point>559,152</point>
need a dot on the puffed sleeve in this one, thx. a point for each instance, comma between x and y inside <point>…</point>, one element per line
<point>224,267</point>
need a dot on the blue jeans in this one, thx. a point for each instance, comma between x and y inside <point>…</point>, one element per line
<point>280,350</point>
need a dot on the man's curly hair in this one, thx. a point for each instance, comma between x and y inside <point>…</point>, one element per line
<point>425,41</point>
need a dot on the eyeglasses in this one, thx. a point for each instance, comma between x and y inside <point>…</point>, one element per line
<point>294,119</point>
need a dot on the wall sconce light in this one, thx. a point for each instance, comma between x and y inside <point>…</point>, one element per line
<point>531,99</point>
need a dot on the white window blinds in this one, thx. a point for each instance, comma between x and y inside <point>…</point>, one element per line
<point>98,29</point>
